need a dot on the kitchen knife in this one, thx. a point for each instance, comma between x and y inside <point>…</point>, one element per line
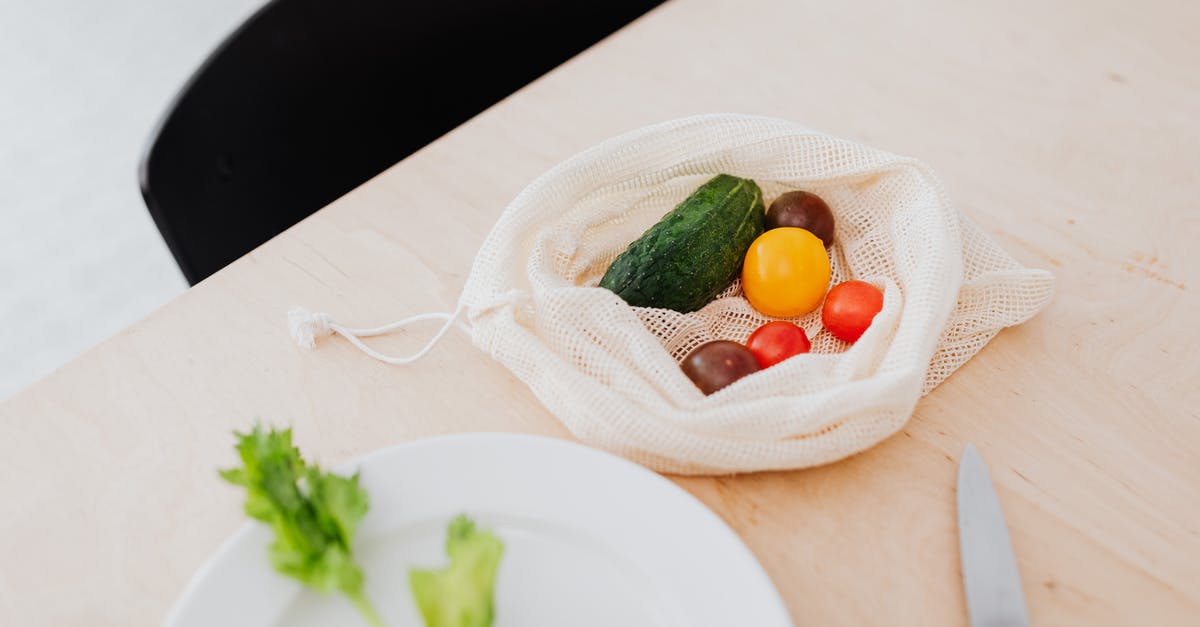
<point>990,578</point>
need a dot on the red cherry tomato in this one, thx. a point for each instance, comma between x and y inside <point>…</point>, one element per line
<point>849,309</point>
<point>774,342</point>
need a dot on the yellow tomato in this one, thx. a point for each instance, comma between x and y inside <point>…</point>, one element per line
<point>786,272</point>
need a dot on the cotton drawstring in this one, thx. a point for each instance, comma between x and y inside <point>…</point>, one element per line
<point>306,326</point>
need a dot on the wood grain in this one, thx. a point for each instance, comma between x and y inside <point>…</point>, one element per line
<point>1068,130</point>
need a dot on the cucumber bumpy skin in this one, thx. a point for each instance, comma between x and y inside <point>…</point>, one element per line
<point>695,251</point>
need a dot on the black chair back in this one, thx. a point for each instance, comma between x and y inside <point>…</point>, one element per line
<point>310,98</point>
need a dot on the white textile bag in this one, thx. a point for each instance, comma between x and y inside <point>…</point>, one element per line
<point>610,372</point>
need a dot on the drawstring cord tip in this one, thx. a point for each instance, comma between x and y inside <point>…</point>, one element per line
<point>306,326</point>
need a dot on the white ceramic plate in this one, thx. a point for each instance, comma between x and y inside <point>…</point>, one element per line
<point>589,540</point>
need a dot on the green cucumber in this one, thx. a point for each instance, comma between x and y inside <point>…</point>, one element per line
<point>694,252</point>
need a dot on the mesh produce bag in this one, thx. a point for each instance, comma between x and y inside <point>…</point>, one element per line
<point>610,372</point>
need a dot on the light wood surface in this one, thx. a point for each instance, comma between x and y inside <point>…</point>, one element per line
<point>1069,130</point>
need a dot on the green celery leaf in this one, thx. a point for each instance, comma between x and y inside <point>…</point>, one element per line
<point>313,514</point>
<point>460,595</point>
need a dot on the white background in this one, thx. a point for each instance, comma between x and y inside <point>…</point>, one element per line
<point>82,84</point>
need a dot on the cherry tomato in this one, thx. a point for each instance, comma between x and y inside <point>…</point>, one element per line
<point>714,365</point>
<point>850,308</point>
<point>786,272</point>
<point>803,210</point>
<point>775,341</point>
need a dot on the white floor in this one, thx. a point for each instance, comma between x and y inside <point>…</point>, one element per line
<point>82,83</point>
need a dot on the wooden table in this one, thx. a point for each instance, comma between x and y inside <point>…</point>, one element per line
<point>1069,130</point>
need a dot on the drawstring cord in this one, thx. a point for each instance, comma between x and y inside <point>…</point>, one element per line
<point>306,326</point>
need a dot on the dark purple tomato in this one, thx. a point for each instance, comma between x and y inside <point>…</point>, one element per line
<point>714,365</point>
<point>802,210</point>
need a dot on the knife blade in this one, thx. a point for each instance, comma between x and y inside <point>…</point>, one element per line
<point>990,578</point>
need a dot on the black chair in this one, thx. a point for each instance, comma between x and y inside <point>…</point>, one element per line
<point>310,98</point>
